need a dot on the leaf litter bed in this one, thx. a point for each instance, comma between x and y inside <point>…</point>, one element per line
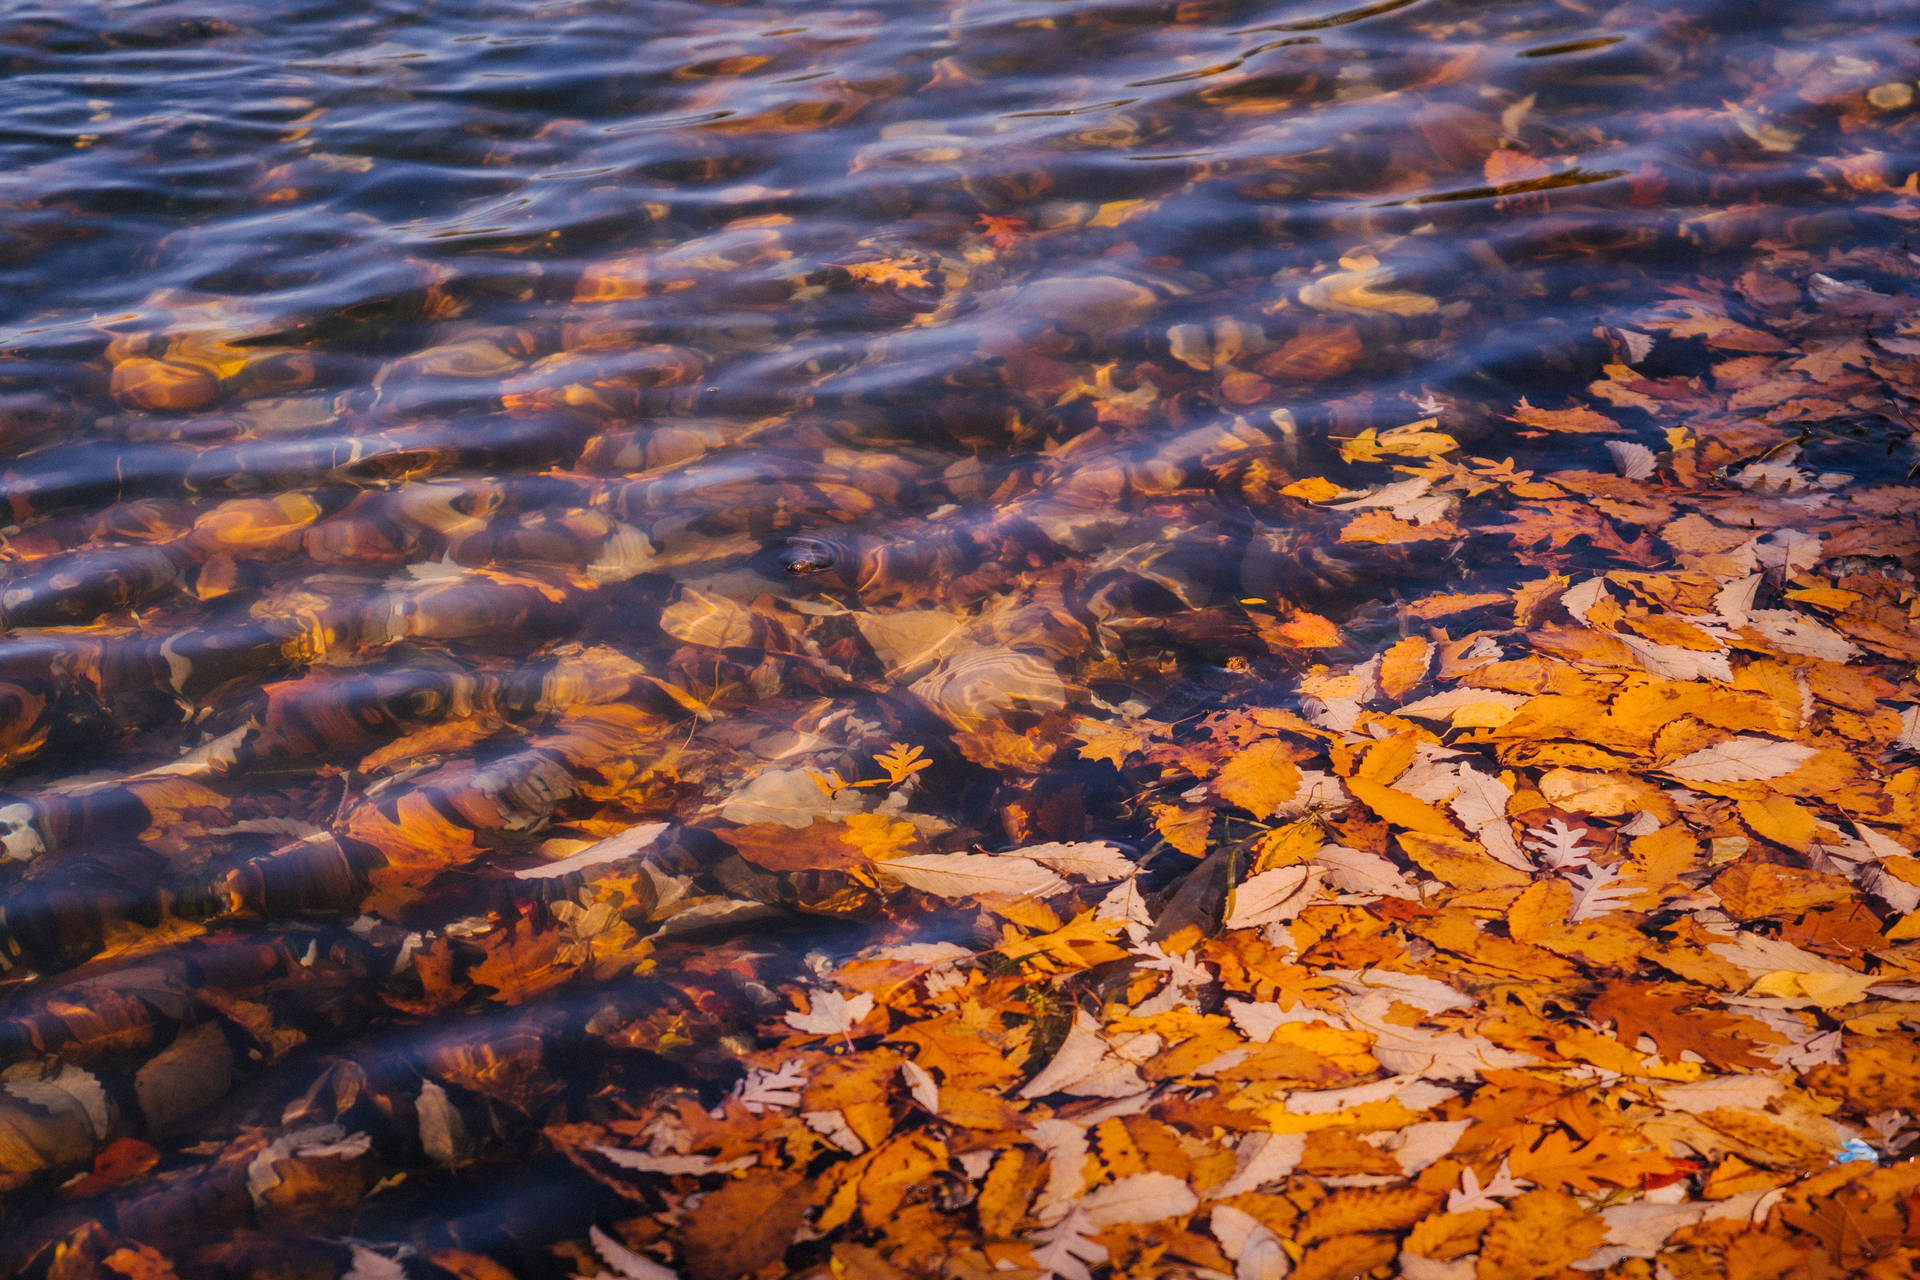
<point>1514,875</point>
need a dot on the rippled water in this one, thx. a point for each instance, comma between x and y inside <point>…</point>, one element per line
<point>437,437</point>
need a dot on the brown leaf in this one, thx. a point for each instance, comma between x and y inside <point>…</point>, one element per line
<point>743,1226</point>
<point>1539,1235</point>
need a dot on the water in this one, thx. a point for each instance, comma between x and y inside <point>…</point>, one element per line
<point>438,437</point>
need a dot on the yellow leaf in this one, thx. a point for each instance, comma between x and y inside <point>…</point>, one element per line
<point>878,836</point>
<point>1115,212</point>
<point>1827,990</point>
<point>1364,447</point>
<point>1358,288</point>
<point>896,1171</point>
<point>1081,943</point>
<point>1387,530</point>
<point>1539,1235</point>
<point>1416,440</point>
<point>1539,916</point>
<point>901,273</point>
<point>1602,794</point>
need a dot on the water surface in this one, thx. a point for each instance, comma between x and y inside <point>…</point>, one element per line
<point>440,437</point>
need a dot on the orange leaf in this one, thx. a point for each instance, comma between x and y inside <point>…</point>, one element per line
<point>1540,1234</point>
<point>1578,419</point>
<point>1404,666</point>
<point>743,1226</point>
<point>520,962</point>
<point>1259,779</point>
<point>1460,862</point>
<point>1309,631</point>
<point>1184,829</point>
<point>1401,809</point>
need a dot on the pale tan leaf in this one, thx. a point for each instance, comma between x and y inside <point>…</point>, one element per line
<point>1633,461</point>
<point>1142,1197</point>
<point>973,875</point>
<point>1261,1158</point>
<point>831,1013</point>
<point>1796,633</point>
<point>1475,706</point>
<point>613,849</point>
<point>711,621</point>
<point>1094,860</point>
<point>1410,1091</point>
<point>1353,871</point>
<point>1746,758</point>
<point>624,1261</point>
<point>1272,897</point>
<point>980,686</point>
<point>1674,663</point>
<point>1421,1144</point>
<point>921,1085</point>
<point>1085,1067</point>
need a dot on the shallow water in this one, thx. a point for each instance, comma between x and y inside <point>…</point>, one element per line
<point>441,437</point>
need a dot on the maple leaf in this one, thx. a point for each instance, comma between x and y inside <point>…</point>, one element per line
<point>1183,972</point>
<point>830,1013</point>
<point>520,962</point>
